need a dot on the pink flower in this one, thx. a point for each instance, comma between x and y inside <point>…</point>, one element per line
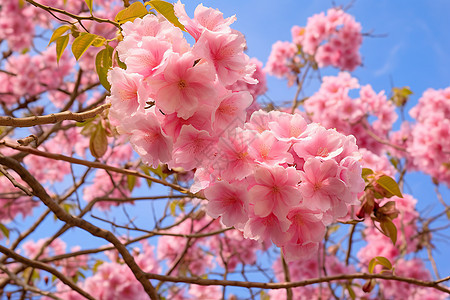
<point>190,150</point>
<point>205,19</point>
<point>182,85</point>
<point>267,149</point>
<point>267,228</point>
<point>288,127</point>
<point>320,187</point>
<point>233,160</point>
<point>147,59</point>
<point>275,191</point>
<point>231,112</point>
<point>147,138</point>
<point>128,93</point>
<point>229,201</point>
<point>307,230</point>
<point>322,143</point>
<point>225,51</point>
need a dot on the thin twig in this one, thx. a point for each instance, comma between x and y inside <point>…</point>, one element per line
<point>25,286</point>
<point>45,267</point>
<point>96,165</point>
<point>14,181</point>
<point>76,17</point>
<point>284,285</point>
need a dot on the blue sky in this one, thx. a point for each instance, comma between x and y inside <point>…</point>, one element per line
<point>413,52</point>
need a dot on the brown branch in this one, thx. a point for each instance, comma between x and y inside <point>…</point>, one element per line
<point>14,181</point>
<point>96,165</point>
<point>350,242</point>
<point>52,118</point>
<point>45,267</point>
<point>76,17</point>
<point>41,193</point>
<point>25,286</point>
<point>382,141</point>
<point>287,278</point>
<point>284,285</point>
<point>299,89</point>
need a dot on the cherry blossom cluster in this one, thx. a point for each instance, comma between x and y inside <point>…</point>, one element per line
<point>332,107</point>
<point>31,75</point>
<point>18,19</point>
<point>281,62</point>
<point>333,39</point>
<point>430,143</point>
<point>282,180</point>
<point>172,93</point>
<point>276,178</point>
<point>329,40</point>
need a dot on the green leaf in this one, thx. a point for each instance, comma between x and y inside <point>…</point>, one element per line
<point>394,162</point>
<point>89,4</point>
<point>366,171</point>
<point>67,207</point>
<point>264,296</point>
<point>96,265</point>
<point>379,260</point>
<point>351,292</point>
<point>389,185</point>
<point>384,262</point>
<point>99,41</point>
<point>372,264</point>
<point>131,181</point>
<point>82,43</point>
<point>98,143</point>
<point>401,95</point>
<point>389,230</point>
<point>81,275</point>
<point>58,32</point>
<point>103,62</point>
<point>4,230</point>
<point>135,10</point>
<point>61,45</point>
<point>166,9</point>
<point>173,207</point>
<point>120,63</point>
<point>146,172</point>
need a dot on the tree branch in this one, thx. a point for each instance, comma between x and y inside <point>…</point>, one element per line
<point>76,17</point>
<point>45,267</point>
<point>52,118</point>
<point>96,165</point>
<point>284,285</point>
<point>41,193</point>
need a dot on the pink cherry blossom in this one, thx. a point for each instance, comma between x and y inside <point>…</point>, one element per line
<point>230,201</point>
<point>183,85</point>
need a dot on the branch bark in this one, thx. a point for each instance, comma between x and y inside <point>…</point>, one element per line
<point>285,285</point>
<point>52,118</point>
<point>39,191</point>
